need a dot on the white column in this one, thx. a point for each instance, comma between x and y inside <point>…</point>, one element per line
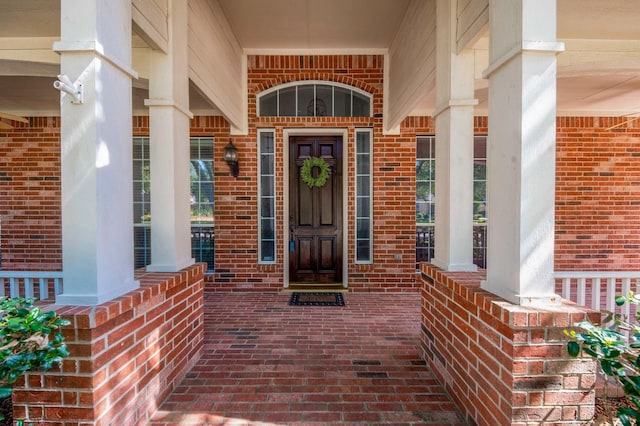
<point>521,150</point>
<point>97,233</point>
<point>454,147</point>
<point>169,148</point>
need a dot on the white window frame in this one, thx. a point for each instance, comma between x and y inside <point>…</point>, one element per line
<point>297,84</point>
<point>368,131</point>
<point>260,132</point>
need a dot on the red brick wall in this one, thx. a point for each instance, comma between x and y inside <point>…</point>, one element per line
<point>597,194</point>
<point>503,364</point>
<point>393,169</point>
<point>126,355</point>
<point>598,184</point>
<point>30,223</point>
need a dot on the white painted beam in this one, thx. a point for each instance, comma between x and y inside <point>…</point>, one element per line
<point>411,71</point>
<point>217,65</point>
<point>150,22</point>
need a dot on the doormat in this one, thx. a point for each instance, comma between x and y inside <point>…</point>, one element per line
<point>316,299</point>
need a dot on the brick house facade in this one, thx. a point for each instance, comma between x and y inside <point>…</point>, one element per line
<point>597,177</point>
<point>557,98</point>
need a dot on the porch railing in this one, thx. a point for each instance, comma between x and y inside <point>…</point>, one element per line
<point>425,244</point>
<point>598,290</point>
<point>39,285</point>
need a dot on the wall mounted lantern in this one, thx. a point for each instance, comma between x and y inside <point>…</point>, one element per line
<point>231,157</point>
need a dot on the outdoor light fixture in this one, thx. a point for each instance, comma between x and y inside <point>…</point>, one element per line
<point>231,157</point>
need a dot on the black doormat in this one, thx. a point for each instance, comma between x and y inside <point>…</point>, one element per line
<point>316,299</point>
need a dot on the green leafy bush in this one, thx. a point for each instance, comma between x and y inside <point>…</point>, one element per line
<point>615,345</point>
<point>28,340</point>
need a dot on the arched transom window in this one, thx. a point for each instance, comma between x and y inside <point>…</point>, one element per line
<point>314,99</point>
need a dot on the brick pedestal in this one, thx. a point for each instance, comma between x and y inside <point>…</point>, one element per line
<point>503,364</point>
<point>126,355</point>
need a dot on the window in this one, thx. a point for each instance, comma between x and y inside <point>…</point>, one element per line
<point>425,197</point>
<point>266,195</point>
<point>480,201</point>
<point>141,203</point>
<point>314,99</point>
<point>364,199</point>
<point>201,177</point>
<point>202,201</point>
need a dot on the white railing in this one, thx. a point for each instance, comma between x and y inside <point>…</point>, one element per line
<point>39,285</point>
<point>598,290</point>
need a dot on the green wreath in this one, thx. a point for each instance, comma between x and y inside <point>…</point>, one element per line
<point>307,168</point>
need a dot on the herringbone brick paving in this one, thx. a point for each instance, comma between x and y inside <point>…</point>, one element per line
<point>268,363</point>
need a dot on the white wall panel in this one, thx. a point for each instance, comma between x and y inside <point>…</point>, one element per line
<point>150,21</point>
<point>473,18</point>
<point>216,64</point>
<point>412,61</point>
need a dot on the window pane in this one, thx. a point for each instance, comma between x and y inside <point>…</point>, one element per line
<point>362,144</point>
<point>425,147</point>
<point>267,186</point>
<point>363,186</point>
<point>480,147</point>
<point>141,246</point>
<point>363,250</point>
<point>361,105</point>
<point>363,207</point>
<point>287,102</point>
<point>266,164</point>
<point>479,170</point>
<point>268,207</point>
<point>201,177</point>
<point>267,250</point>
<point>324,101</point>
<point>267,231</point>
<point>269,105</point>
<point>342,102</point>
<point>363,164</point>
<point>306,103</point>
<point>362,228</point>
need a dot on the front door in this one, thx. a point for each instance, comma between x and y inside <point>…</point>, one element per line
<point>315,212</point>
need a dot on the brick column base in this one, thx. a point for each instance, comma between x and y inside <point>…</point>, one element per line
<point>503,364</point>
<point>126,355</point>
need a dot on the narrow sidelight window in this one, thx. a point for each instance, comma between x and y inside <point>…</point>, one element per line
<point>364,198</point>
<point>425,197</point>
<point>266,196</point>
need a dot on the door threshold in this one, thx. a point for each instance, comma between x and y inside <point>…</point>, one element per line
<point>315,288</point>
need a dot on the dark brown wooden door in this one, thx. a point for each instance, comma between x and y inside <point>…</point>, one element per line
<point>315,214</point>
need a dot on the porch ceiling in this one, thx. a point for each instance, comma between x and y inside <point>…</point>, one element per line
<point>598,74</point>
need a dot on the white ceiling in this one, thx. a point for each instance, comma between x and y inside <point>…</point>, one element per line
<point>599,74</point>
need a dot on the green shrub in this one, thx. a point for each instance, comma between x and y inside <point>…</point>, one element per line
<point>615,345</point>
<point>28,340</point>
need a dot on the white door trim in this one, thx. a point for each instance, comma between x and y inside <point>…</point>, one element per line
<point>286,134</point>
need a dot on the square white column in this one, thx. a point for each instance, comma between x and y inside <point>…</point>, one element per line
<point>97,233</point>
<point>521,151</point>
<point>454,147</point>
<point>169,148</point>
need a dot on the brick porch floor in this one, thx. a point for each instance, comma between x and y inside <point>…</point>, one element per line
<point>268,363</point>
